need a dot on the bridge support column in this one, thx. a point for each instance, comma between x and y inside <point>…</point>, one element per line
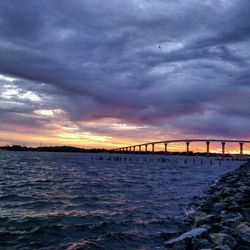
<point>153,147</point>
<point>146,147</point>
<point>241,148</point>
<point>134,148</point>
<point>223,148</point>
<point>208,144</point>
<point>140,148</point>
<point>187,144</point>
<point>166,147</point>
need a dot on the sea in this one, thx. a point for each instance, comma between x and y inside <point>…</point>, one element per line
<point>99,201</point>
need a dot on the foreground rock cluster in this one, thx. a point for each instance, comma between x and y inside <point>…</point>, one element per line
<point>220,219</point>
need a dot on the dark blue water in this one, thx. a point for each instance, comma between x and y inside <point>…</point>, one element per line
<point>82,201</point>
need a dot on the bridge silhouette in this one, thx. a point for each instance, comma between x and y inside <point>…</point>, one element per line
<point>133,148</point>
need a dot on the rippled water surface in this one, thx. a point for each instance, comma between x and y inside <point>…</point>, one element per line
<point>91,201</point>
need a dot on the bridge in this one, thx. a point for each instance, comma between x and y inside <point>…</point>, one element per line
<point>133,148</point>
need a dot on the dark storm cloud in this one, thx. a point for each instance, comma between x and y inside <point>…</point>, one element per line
<point>143,62</point>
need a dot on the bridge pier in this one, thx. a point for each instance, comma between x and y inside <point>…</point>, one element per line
<point>241,148</point>
<point>208,144</point>
<point>134,148</point>
<point>153,147</point>
<point>146,147</point>
<point>166,147</point>
<point>140,148</point>
<point>223,148</point>
<point>187,144</point>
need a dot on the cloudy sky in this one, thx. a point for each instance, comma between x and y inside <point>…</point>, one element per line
<point>96,73</point>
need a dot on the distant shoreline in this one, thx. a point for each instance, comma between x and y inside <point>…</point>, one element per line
<point>65,149</point>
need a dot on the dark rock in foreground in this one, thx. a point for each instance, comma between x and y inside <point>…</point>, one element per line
<point>221,219</point>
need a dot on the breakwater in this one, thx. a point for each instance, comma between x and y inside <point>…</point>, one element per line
<point>220,219</point>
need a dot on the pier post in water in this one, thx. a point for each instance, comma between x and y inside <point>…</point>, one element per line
<point>241,148</point>
<point>208,143</point>
<point>140,148</point>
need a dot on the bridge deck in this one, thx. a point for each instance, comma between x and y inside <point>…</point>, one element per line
<point>187,141</point>
<point>190,140</point>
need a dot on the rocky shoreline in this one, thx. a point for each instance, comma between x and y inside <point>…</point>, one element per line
<point>221,219</point>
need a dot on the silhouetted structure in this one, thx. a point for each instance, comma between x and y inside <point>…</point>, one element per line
<point>53,149</point>
<point>188,141</point>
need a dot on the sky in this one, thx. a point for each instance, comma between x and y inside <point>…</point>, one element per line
<point>108,74</point>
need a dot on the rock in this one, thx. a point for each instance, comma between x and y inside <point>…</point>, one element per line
<point>197,232</point>
<point>216,198</point>
<point>223,247</point>
<point>244,189</point>
<point>245,204</point>
<point>224,193</point>
<point>246,213</point>
<point>228,215</point>
<point>227,230</point>
<point>209,219</point>
<point>232,222</point>
<point>196,215</point>
<point>200,244</point>
<point>219,206</point>
<point>179,245</point>
<point>205,249</point>
<point>233,206</point>
<point>206,226</point>
<point>243,232</point>
<point>170,234</point>
<point>223,239</point>
<point>216,227</point>
<point>228,199</point>
<point>238,197</point>
<point>207,209</point>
